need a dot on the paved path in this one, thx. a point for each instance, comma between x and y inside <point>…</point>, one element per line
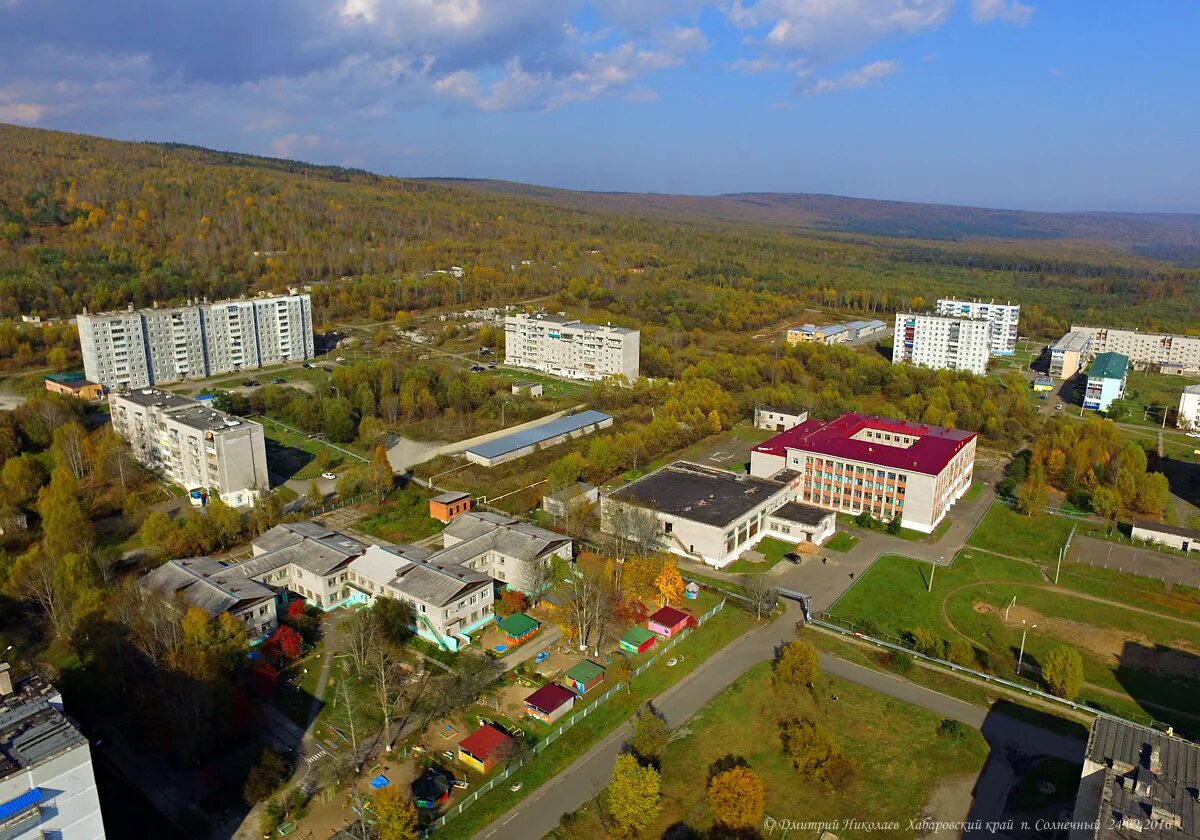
<point>541,811</point>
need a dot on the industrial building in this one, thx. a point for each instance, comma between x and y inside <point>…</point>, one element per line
<point>714,515</point>
<point>942,342</point>
<point>1147,351</point>
<point>887,468</point>
<point>191,444</point>
<point>571,349</point>
<point>1171,536</point>
<point>777,419</point>
<point>526,441</point>
<point>1137,784</point>
<point>137,348</point>
<point>1105,381</point>
<point>1069,354</point>
<point>834,333</point>
<point>47,783</point>
<point>1005,318</point>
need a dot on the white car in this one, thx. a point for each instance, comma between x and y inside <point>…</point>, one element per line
<point>329,476</point>
<point>1058,407</point>
<point>340,359</point>
<point>1193,434</point>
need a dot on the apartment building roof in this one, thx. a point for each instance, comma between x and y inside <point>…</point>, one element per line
<point>206,584</point>
<point>1076,341</point>
<point>1109,366</point>
<point>32,729</point>
<point>265,298</point>
<point>423,579</point>
<point>701,494</point>
<point>480,532</point>
<point>934,448</point>
<point>573,324</point>
<point>154,398</point>
<point>204,419</point>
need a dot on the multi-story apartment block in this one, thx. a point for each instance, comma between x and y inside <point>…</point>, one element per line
<point>1169,353</point>
<point>1105,381</point>
<point>1188,416</point>
<point>1069,354</point>
<point>943,342</point>
<point>571,349</point>
<point>193,445</point>
<point>47,784</point>
<point>1005,318</point>
<point>887,468</point>
<point>133,349</point>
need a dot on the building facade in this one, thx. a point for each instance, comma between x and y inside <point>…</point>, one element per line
<point>571,349</point>
<point>191,444</point>
<point>1188,416</point>
<point>74,385</point>
<point>47,783</point>
<point>887,468</point>
<point>777,419</point>
<point>1105,381</point>
<point>136,348</point>
<point>210,586</point>
<point>1171,353</point>
<point>1005,318</point>
<point>942,342</point>
<point>1069,354</point>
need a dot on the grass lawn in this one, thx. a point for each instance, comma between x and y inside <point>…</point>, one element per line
<point>848,520</point>
<point>403,518</point>
<point>973,491</point>
<point>295,701</point>
<point>771,548</point>
<point>552,388</point>
<point>1004,531</point>
<point>842,541</point>
<point>1130,658</point>
<point>900,757</point>
<point>717,632</point>
<point>291,455</point>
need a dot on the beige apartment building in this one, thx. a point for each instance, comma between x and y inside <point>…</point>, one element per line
<point>571,349</point>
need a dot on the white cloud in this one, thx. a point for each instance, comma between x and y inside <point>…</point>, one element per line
<point>25,113</point>
<point>290,145</point>
<point>1006,11</point>
<point>862,77</point>
<point>753,66</point>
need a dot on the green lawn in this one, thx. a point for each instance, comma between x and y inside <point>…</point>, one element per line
<point>291,455</point>
<point>554,389</point>
<point>403,518</point>
<point>717,632</point>
<point>900,757</point>
<point>771,548</point>
<point>842,541</point>
<point>1004,531</point>
<point>1132,659</point>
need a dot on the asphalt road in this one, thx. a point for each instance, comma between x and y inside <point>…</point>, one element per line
<point>541,811</point>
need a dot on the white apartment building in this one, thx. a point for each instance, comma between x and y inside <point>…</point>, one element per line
<point>571,349</point>
<point>195,446</point>
<point>136,348</point>
<point>1070,353</point>
<point>1170,353</point>
<point>943,342</point>
<point>1005,318</point>
<point>47,784</point>
<point>1189,408</point>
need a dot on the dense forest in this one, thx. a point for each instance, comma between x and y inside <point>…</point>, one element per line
<point>86,222</point>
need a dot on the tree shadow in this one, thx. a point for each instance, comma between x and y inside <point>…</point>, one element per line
<point>1183,477</point>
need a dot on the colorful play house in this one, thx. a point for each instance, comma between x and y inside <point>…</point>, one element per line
<point>584,676</point>
<point>691,591</point>
<point>449,506</point>
<point>669,622</point>
<point>637,640</point>
<point>518,628</point>
<point>549,703</point>
<point>484,748</point>
<point>432,787</point>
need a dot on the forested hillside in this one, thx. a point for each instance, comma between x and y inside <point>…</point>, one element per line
<point>99,223</point>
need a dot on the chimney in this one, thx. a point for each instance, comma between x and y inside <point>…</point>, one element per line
<point>6,686</point>
<point>1155,760</point>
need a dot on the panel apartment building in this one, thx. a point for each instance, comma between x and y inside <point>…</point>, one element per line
<point>1168,353</point>
<point>942,342</point>
<point>136,348</point>
<point>191,444</point>
<point>571,349</point>
<point>47,782</point>
<point>1005,318</point>
<point>887,468</point>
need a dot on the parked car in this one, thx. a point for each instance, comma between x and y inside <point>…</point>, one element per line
<point>308,365</point>
<point>794,557</point>
<point>476,368</point>
<point>1193,434</point>
<point>278,380</point>
<point>491,365</point>
<point>340,359</point>
<point>462,783</point>
<point>1058,407</point>
<point>329,476</point>
<point>250,383</point>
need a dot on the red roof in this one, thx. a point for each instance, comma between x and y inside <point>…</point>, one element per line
<point>549,697</point>
<point>484,741</point>
<point>669,617</point>
<point>935,448</point>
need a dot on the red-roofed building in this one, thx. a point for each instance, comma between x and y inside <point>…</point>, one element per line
<point>885,467</point>
<point>484,748</point>
<point>550,702</point>
<point>669,621</point>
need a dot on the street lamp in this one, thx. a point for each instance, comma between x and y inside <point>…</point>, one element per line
<point>1021,655</point>
<point>933,568</point>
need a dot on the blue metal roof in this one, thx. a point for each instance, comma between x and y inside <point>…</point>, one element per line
<point>24,802</point>
<point>529,437</point>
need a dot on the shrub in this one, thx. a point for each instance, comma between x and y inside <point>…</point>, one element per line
<point>953,730</point>
<point>798,663</point>
<point>1062,669</point>
<point>961,652</point>
<point>927,642</point>
<point>899,662</point>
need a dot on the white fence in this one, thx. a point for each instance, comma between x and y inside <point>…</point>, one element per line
<point>565,725</point>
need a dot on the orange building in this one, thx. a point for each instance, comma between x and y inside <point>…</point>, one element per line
<point>449,506</point>
<point>74,385</point>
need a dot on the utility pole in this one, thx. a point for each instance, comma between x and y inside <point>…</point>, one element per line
<point>1011,604</point>
<point>1021,655</point>
<point>1062,552</point>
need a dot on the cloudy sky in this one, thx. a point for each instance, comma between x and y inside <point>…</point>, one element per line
<point>993,102</point>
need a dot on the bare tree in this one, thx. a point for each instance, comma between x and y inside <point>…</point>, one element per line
<point>387,684</point>
<point>591,597</point>
<point>631,529</point>
<point>361,640</point>
<point>348,706</point>
<point>760,591</point>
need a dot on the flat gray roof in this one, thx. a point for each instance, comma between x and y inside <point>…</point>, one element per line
<point>701,494</point>
<point>147,397</point>
<point>448,498</point>
<point>546,431</point>
<point>1076,341</point>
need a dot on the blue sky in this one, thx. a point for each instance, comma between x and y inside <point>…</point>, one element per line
<point>998,103</point>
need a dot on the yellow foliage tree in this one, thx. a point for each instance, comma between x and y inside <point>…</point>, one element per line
<point>632,797</point>
<point>397,815</point>
<point>736,798</point>
<point>669,584</point>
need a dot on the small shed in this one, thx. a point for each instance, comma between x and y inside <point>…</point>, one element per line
<point>449,506</point>
<point>691,591</point>
<point>533,389</point>
<point>549,703</point>
<point>484,748</point>
<point>518,628</point>
<point>584,676</point>
<point>432,787</point>
<point>637,640</point>
<point>669,621</point>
